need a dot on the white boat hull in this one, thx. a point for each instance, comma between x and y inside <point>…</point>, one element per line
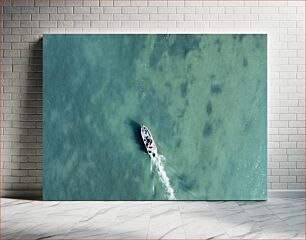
<point>148,141</point>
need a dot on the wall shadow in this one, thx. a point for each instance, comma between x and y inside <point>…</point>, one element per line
<point>31,119</point>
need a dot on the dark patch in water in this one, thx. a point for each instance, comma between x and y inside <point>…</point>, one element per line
<point>215,89</point>
<point>187,102</point>
<point>160,46</point>
<point>209,108</point>
<point>192,80</point>
<point>189,67</point>
<point>186,183</point>
<point>245,62</point>
<point>208,129</point>
<point>212,76</point>
<point>183,44</point>
<point>168,84</point>
<point>179,143</point>
<point>219,44</point>
<point>241,36</point>
<point>135,126</point>
<point>184,89</point>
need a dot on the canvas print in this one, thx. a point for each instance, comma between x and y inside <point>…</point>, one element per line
<point>155,117</point>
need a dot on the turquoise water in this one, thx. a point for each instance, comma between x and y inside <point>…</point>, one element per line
<point>203,97</point>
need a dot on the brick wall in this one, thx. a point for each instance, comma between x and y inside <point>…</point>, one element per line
<point>24,22</point>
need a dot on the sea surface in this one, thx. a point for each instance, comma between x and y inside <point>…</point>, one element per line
<point>203,97</point>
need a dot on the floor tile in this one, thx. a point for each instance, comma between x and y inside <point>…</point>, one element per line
<point>273,219</point>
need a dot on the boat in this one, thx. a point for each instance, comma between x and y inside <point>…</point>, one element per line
<point>148,141</point>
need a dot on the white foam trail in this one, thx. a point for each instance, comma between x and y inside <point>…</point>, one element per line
<point>157,162</point>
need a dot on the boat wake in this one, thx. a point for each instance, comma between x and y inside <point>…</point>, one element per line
<point>156,161</point>
<point>157,164</point>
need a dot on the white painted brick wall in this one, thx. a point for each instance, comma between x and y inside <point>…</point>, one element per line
<point>24,22</point>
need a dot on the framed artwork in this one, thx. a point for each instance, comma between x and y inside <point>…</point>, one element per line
<point>155,117</point>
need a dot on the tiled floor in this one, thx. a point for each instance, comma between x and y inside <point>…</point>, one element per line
<point>273,219</point>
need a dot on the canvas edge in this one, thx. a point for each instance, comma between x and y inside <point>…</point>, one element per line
<point>37,194</point>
